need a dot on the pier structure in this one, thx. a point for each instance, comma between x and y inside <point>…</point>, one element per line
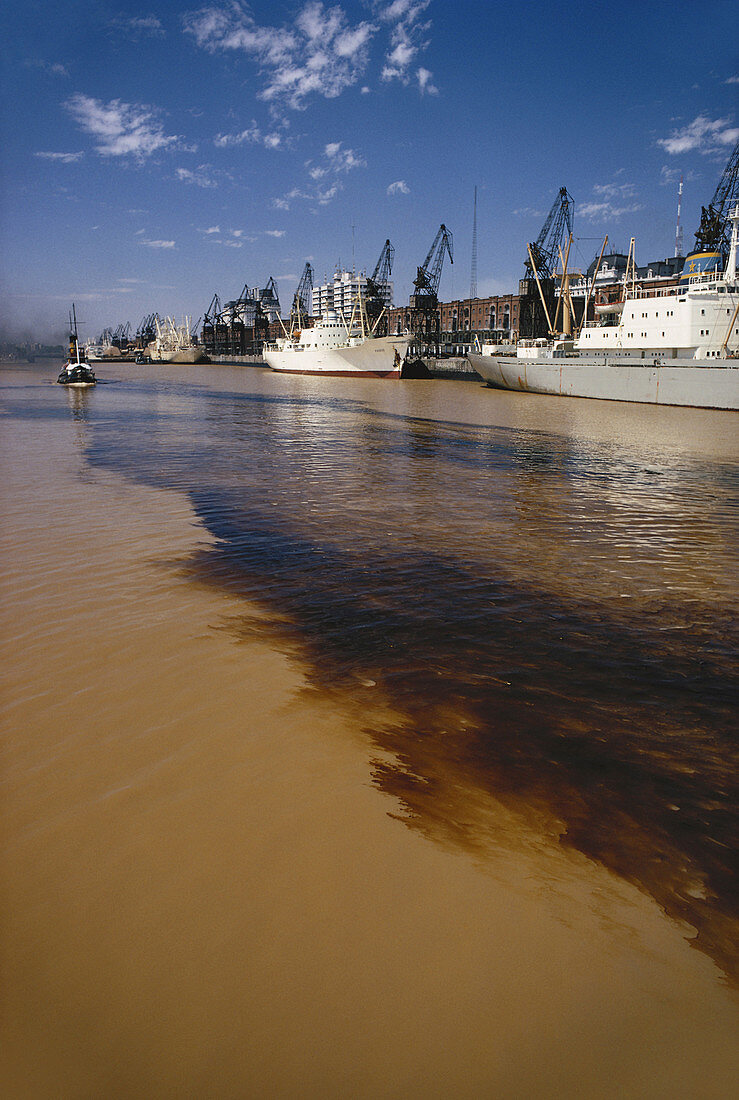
<point>241,326</point>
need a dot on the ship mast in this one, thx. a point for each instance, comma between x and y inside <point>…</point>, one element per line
<point>679,251</point>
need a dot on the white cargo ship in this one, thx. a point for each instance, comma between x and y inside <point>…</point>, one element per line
<point>175,344</point>
<point>334,347</point>
<point>675,346</point>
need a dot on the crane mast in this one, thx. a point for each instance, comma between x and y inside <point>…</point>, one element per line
<point>301,307</point>
<point>537,288</point>
<point>554,232</point>
<point>424,302</point>
<point>376,297</point>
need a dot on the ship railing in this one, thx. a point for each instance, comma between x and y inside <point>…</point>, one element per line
<point>707,280</point>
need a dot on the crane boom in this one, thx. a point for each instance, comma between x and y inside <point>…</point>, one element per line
<point>556,228</point>
<point>301,306</point>
<point>429,276</point>
<point>377,294</point>
<point>424,302</point>
<point>714,230</point>
<point>384,265</point>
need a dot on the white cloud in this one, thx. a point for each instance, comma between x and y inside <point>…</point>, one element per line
<point>325,197</point>
<point>702,134</point>
<point>158,244</point>
<point>202,176</point>
<point>406,41</point>
<point>732,80</point>
<point>251,135</point>
<point>53,68</point>
<point>284,202</point>
<point>424,82</point>
<point>211,229</point>
<point>611,201</point>
<point>400,187</point>
<point>317,53</point>
<point>605,211</point>
<point>63,158</point>
<point>274,232</point>
<point>614,190</point>
<point>343,160</point>
<point>122,129</point>
<point>337,160</point>
<point>147,26</point>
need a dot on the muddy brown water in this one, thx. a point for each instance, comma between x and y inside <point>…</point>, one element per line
<point>365,739</point>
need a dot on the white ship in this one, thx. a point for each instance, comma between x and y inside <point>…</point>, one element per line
<point>675,346</point>
<point>175,344</point>
<point>99,353</point>
<point>334,347</point>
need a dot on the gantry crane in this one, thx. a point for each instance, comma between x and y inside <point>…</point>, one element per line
<point>538,283</point>
<point>424,302</point>
<point>714,231</point>
<point>376,295</point>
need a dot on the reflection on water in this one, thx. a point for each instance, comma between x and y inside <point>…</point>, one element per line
<point>546,598</point>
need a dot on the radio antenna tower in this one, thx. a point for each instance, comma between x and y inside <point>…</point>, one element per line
<point>473,277</point>
<point>679,251</point>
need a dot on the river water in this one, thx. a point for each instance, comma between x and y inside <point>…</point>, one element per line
<point>368,739</point>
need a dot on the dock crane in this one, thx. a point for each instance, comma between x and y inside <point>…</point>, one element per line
<point>301,307</point>
<point>147,330</point>
<point>715,230</point>
<point>211,319</point>
<point>424,302</point>
<point>376,296</point>
<point>539,278</point>
<point>122,336</point>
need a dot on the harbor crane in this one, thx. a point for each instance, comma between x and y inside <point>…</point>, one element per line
<point>543,251</point>
<point>122,336</point>
<point>424,302</point>
<point>376,297</point>
<point>538,284</point>
<point>714,231</point>
<point>147,330</point>
<point>301,307</point>
<point>241,326</point>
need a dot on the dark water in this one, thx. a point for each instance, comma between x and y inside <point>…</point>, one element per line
<point>543,590</point>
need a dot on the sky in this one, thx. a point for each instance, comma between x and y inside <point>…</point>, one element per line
<point>156,154</point>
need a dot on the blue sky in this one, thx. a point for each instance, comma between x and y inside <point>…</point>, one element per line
<point>157,153</point>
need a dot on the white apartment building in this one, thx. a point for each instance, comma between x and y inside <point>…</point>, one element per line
<point>340,294</point>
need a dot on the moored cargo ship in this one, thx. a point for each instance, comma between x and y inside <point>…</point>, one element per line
<point>678,346</point>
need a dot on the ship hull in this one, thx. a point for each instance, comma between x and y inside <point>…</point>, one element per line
<point>376,357</point>
<point>679,383</point>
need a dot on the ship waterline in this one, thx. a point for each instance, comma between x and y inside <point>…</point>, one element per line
<point>706,387</point>
<point>273,818</point>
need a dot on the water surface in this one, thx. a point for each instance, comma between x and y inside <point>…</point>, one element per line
<point>526,605</point>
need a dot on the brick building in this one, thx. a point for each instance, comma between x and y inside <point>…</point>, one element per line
<point>461,320</point>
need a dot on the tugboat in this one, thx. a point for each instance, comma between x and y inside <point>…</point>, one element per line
<point>76,371</point>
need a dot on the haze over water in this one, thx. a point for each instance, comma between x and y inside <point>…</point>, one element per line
<point>367,739</point>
